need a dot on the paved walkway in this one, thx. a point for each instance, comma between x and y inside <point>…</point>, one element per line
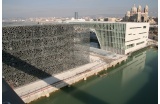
<point>96,62</point>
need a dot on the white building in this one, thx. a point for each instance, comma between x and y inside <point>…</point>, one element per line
<point>121,37</point>
<point>136,36</point>
<point>74,20</point>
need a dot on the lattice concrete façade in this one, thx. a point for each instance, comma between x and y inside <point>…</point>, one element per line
<point>36,52</point>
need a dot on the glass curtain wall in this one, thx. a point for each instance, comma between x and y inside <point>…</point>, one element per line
<point>111,36</point>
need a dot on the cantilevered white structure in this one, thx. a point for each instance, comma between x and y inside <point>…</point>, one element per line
<point>136,36</point>
<point>120,37</point>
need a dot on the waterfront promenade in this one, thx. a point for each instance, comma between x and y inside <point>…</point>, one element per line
<point>99,61</point>
<point>44,87</point>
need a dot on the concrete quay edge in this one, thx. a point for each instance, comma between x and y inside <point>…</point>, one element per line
<point>32,93</point>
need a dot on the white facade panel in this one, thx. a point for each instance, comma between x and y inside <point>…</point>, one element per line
<point>136,36</point>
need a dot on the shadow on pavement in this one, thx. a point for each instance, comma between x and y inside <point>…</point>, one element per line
<point>19,64</point>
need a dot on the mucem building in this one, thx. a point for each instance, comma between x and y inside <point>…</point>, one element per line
<point>36,52</point>
<point>39,51</point>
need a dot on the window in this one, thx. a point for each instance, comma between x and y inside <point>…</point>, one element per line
<point>144,26</point>
<point>130,34</point>
<point>134,27</point>
<point>133,40</point>
<point>143,33</point>
<point>139,43</point>
<point>110,28</point>
<point>130,46</point>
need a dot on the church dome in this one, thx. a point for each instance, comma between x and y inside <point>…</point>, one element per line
<point>139,8</point>
<point>128,13</point>
<point>146,8</point>
<point>134,9</point>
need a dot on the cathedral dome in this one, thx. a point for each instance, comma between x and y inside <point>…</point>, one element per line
<point>134,9</point>
<point>139,8</point>
<point>128,13</point>
<point>146,8</point>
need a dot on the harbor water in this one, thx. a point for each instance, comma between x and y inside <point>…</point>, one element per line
<point>132,82</point>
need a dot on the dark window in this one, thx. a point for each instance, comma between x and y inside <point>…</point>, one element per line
<point>139,43</point>
<point>143,33</point>
<point>130,46</point>
<point>133,40</point>
<point>144,26</point>
<point>134,27</point>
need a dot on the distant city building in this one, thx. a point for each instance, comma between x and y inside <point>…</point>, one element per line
<point>101,19</point>
<point>76,15</point>
<point>156,20</point>
<point>137,15</point>
<point>152,21</point>
<point>95,19</point>
<point>98,19</point>
<point>110,19</point>
<point>74,20</point>
<point>118,19</point>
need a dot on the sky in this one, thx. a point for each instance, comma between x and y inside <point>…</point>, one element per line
<point>66,8</point>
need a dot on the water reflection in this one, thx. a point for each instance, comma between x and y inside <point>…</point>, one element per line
<point>124,82</point>
<point>134,67</point>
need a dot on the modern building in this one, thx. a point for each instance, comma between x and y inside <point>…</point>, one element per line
<point>121,37</point>
<point>137,15</point>
<point>36,52</point>
<point>136,36</point>
<point>76,15</point>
